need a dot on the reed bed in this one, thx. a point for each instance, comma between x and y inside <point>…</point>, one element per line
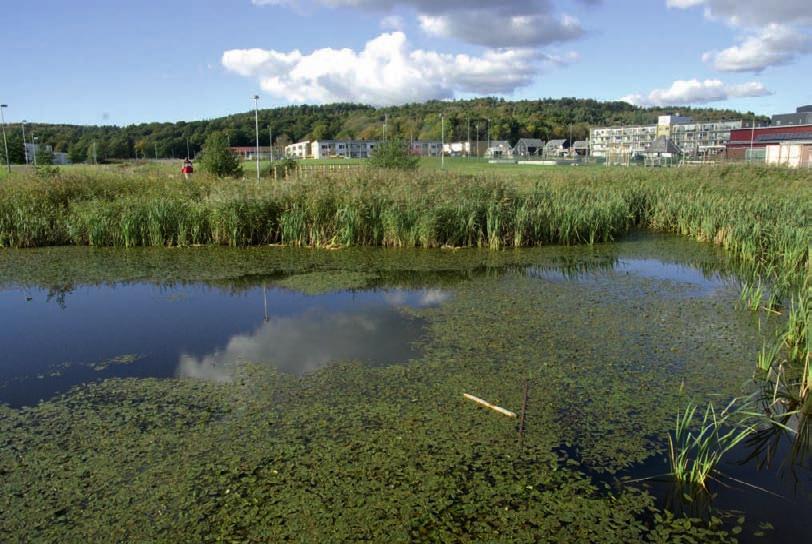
<point>760,215</point>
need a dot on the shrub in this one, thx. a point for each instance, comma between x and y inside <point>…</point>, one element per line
<point>218,159</point>
<point>394,154</point>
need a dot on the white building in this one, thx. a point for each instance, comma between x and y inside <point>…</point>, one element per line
<point>324,149</point>
<point>692,138</point>
<point>457,149</point>
<point>300,150</point>
<point>797,154</point>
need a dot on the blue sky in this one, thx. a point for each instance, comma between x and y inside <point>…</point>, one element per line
<point>114,62</point>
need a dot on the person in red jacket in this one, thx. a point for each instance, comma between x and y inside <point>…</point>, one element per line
<point>187,168</point>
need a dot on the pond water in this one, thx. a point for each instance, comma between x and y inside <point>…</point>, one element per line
<point>142,330</point>
<point>327,360</point>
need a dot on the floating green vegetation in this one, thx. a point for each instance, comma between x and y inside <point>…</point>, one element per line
<point>119,360</point>
<point>355,452</point>
<point>315,283</point>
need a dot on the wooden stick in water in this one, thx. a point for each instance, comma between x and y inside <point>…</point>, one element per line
<point>487,404</point>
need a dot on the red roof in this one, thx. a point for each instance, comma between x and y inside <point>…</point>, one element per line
<point>249,149</point>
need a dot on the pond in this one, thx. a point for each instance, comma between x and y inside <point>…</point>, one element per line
<point>192,386</point>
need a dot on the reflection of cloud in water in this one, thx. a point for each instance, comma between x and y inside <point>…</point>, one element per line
<point>311,340</point>
<point>420,299</point>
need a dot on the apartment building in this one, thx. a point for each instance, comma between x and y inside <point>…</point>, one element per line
<point>690,137</point>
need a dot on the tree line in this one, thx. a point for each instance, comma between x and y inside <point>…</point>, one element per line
<point>503,119</point>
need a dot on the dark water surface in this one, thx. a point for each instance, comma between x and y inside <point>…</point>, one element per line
<point>608,338</point>
<point>142,330</point>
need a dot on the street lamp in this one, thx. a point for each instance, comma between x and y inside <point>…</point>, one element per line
<point>5,143</point>
<point>442,141</point>
<point>25,150</point>
<point>256,123</point>
<point>489,133</point>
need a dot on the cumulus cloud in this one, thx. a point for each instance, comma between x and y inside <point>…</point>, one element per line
<point>776,31</point>
<point>508,23</point>
<point>387,71</point>
<point>503,29</point>
<point>694,91</point>
<point>775,45</point>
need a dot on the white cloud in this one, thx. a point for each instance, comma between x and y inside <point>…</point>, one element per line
<point>507,23</point>
<point>752,12</point>
<point>775,45</point>
<point>693,91</point>
<point>392,22</point>
<point>777,31</point>
<point>387,71</point>
<point>502,28</point>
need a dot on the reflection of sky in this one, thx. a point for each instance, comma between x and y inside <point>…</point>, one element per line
<point>195,324</point>
<point>311,340</point>
<point>645,268</point>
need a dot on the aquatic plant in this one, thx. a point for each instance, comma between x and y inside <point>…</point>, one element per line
<point>695,451</point>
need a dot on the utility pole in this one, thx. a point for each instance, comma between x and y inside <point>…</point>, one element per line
<point>752,137</point>
<point>25,149</point>
<point>5,143</point>
<point>34,140</point>
<point>256,124</point>
<point>95,159</point>
<point>385,121</point>
<point>270,140</point>
<point>477,140</point>
<point>188,153</point>
<point>156,150</point>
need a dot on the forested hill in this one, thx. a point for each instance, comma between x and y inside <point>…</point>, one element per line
<point>509,120</point>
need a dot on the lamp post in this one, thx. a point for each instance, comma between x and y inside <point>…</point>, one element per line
<point>442,141</point>
<point>256,124</point>
<point>5,143</point>
<point>489,133</point>
<point>468,151</point>
<point>25,151</point>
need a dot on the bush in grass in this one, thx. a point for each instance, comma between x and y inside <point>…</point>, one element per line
<point>394,154</point>
<point>283,167</point>
<point>217,159</point>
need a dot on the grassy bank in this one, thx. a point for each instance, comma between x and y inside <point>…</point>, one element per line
<point>761,215</point>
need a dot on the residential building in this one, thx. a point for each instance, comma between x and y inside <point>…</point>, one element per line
<point>556,148</point>
<point>457,149</point>
<point>528,147</point>
<point>499,149</point>
<point>796,154</point>
<point>581,148</point>
<point>249,152</point>
<point>802,116</point>
<point>325,149</point>
<point>426,148</point>
<point>60,158</point>
<point>31,150</point>
<point>299,150</point>
<point>691,138</point>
